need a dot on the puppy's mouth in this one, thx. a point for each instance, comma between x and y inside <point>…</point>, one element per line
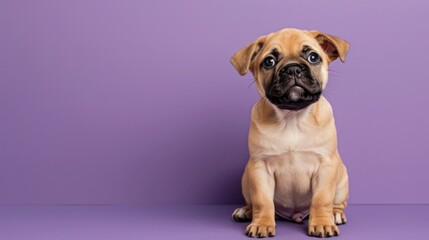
<point>293,88</point>
<point>295,98</point>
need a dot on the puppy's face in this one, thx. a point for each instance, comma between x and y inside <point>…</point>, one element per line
<point>290,66</point>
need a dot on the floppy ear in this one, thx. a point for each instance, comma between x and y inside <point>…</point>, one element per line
<point>244,57</point>
<point>333,46</point>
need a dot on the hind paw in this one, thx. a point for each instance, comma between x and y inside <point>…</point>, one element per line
<point>243,214</point>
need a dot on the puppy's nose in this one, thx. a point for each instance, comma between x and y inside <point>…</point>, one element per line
<point>291,71</point>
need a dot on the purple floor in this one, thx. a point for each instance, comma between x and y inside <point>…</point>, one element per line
<point>194,222</point>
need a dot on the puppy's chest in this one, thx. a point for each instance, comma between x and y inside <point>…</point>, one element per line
<point>292,154</point>
<point>289,140</point>
<point>296,167</point>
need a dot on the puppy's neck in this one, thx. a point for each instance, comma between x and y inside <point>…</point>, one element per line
<point>267,113</point>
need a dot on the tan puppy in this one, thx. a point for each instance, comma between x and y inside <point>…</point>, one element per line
<point>294,167</point>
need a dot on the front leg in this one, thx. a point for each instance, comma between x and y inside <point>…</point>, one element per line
<point>321,222</point>
<point>261,186</point>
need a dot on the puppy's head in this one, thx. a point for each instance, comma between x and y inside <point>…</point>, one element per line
<point>291,66</point>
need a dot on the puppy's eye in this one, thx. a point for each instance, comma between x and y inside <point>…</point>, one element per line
<point>313,57</point>
<point>269,62</point>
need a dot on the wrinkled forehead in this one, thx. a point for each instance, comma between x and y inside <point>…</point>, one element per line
<point>289,42</point>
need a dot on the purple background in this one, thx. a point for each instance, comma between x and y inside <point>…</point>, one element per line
<point>136,101</point>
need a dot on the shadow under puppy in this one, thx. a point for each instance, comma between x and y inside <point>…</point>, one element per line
<point>294,168</point>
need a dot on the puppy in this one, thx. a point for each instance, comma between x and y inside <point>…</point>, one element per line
<point>294,169</point>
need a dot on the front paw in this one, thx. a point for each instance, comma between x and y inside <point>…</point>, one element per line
<point>261,229</point>
<point>322,227</point>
